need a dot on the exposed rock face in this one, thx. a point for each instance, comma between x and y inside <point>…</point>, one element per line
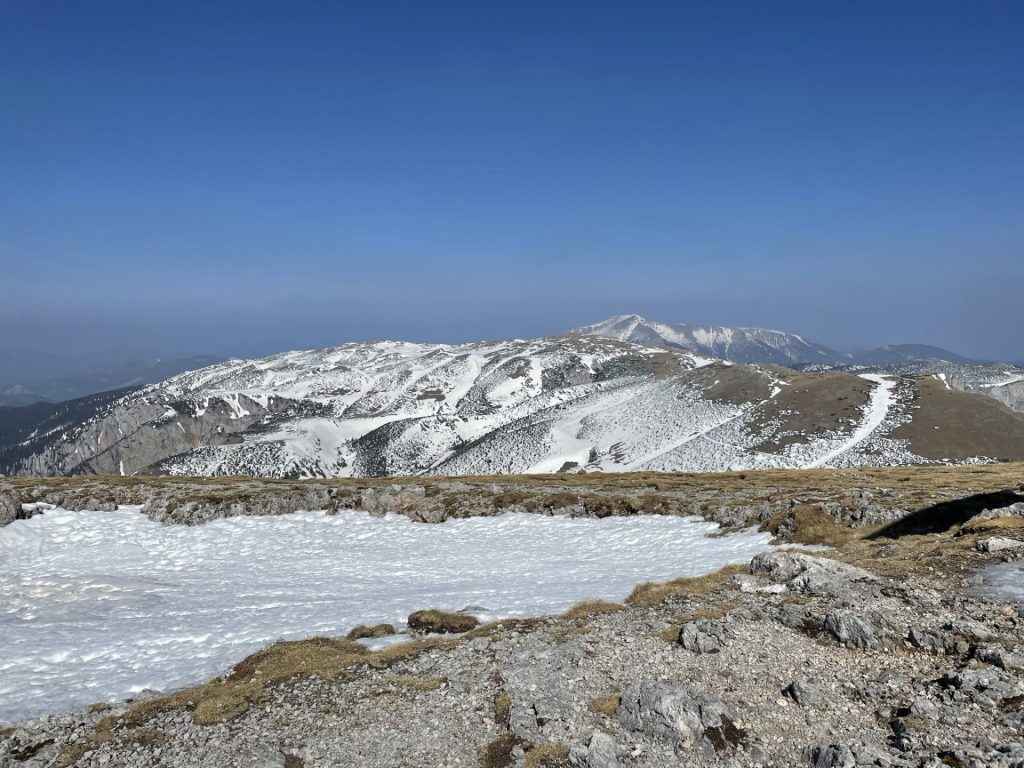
<point>856,629</point>
<point>685,716</point>
<point>815,575</point>
<point>601,751</point>
<point>999,544</point>
<point>704,636</point>
<point>10,506</point>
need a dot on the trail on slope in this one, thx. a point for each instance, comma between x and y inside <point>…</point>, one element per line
<point>875,411</point>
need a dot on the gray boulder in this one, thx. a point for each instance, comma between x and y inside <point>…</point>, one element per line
<point>704,636</point>
<point>805,693</point>
<point>600,752</point>
<point>998,657</point>
<point>683,715</point>
<point>392,498</point>
<point>833,756</point>
<point>818,576</point>
<point>998,544</point>
<point>944,640</point>
<point>855,629</point>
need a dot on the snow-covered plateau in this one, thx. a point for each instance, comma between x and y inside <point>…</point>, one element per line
<point>99,606</point>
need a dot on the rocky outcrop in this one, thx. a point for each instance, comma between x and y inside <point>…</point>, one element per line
<point>10,505</point>
<point>688,718</point>
<point>600,751</point>
<point>817,576</point>
<point>704,636</point>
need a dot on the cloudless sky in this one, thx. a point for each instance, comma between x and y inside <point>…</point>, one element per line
<point>239,178</point>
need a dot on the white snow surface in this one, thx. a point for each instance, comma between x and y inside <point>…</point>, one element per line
<point>98,606</point>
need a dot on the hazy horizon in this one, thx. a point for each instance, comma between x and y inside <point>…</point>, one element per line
<point>233,179</point>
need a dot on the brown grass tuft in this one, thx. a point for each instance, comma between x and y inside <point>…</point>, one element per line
<point>589,608</point>
<point>361,631</point>
<point>652,593</point>
<point>548,756</point>
<point>605,705</point>
<point>441,622</point>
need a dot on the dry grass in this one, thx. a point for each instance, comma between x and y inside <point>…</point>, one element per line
<point>497,753</point>
<point>605,705</point>
<point>996,525</point>
<point>227,698</point>
<point>441,622</point>
<point>917,486</point>
<point>589,608</point>
<point>670,634</point>
<point>651,593</point>
<point>502,708</point>
<point>813,526</point>
<point>361,631</point>
<point>548,756</point>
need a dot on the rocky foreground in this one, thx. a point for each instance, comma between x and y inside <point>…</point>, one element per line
<point>884,650</point>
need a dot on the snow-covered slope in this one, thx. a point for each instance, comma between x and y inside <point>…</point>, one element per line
<point>739,345</point>
<point>553,404</point>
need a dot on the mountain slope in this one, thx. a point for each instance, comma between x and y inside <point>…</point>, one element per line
<point>905,353</point>
<point>547,405</point>
<point>738,345</point>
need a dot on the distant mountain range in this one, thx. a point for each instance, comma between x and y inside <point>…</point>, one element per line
<point>27,378</point>
<point>757,345</point>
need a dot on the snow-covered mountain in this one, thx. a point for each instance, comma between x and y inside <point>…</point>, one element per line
<point>739,345</point>
<point>553,404</point>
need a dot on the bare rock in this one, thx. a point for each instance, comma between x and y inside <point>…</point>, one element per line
<point>600,752</point>
<point>10,506</point>
<point>818,576</point>
<point>805,693</point>
<point>998,544</point>
<point>681,714</point>
<point>855,629</point>
<point>704,636</point>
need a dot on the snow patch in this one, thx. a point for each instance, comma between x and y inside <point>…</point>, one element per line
<point>100,605</point>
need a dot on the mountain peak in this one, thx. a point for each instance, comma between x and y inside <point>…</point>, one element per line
<point>739,345</point>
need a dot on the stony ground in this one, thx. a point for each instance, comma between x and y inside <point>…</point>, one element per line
<point>878,652</point>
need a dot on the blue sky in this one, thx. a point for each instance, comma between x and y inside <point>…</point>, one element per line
<point>237,178</point>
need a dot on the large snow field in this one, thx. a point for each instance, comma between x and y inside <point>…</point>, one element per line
<point>98,606</point>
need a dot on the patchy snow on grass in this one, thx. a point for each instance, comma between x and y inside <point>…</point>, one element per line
<point>98,606</point>
<point>875,412</point>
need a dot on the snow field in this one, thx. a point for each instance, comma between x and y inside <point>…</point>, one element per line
<point>98,606</point>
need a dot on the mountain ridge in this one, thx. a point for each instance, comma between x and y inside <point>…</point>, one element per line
<point>564,403</point>
<point>754,344</point>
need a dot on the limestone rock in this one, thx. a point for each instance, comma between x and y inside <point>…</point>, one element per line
<point>600,752</point>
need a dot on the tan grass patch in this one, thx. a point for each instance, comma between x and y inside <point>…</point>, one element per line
<point>605,705</point>
<point>651,593</point>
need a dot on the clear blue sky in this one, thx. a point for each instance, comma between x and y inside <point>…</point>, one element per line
<point>186,177</point>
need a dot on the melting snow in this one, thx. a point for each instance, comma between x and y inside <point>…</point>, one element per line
<point>101,605</point>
